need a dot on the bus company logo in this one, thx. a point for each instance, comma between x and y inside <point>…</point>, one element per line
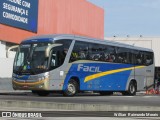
<point>6,114</point>
<point>88,68</point>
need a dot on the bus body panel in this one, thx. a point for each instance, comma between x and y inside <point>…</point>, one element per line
<point>113,78</point>
<point>31,82</point>
<point>92,75</point>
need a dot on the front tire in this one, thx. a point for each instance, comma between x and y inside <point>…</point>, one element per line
<point>72,88</point>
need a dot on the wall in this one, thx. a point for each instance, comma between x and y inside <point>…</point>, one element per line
<point>2,49</point>
<point>6,64</point>
<point>54,16</point>
<point>6,67</point>
<point>61,16</point>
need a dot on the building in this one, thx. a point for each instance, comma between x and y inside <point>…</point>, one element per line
<point>20,19</point>
<point>146,42</point>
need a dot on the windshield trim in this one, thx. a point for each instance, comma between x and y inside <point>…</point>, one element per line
<point>40,40</point>
<point>27,65</point>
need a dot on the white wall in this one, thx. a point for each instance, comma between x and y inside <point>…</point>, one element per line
<point>6,64</point>
<point>146,42</point>
<point>6,67</point>
<point>2,49</point>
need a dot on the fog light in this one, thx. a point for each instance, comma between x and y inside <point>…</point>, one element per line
<point>41,86</point>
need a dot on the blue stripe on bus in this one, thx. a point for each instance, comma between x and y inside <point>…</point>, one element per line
<point>22,77</point>
<point>115,81</point>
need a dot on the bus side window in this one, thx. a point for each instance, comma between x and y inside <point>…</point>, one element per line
<point>96,52</point>
<point>110,54</point>
<point>139,58</point>
<point>122,55</point>
<point>79,52</point>
<point>93,52</point>
<point>74,56</point>
<point>148,58</point>
<point>57,59</point>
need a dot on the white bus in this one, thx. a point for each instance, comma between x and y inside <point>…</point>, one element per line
<point>71,64</point>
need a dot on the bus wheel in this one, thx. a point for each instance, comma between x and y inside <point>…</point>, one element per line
<point>106,93</point>
<point>72,88</point>
<point>43,93</point>
<point>131,89</point>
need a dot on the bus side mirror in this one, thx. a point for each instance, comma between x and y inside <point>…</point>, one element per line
<point>10,48</point>
<point>48,49</point>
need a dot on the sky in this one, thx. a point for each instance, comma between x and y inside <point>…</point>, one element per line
<point>131,17</point>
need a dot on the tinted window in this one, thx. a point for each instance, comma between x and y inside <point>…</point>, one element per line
<point>110,54</point>
<point>91,51</point>
<point>80,51</point>
<point>105,53</point>
<point>143,58</point>
<point>65,43</point>
<point>123,55</point>
<point>59,53</point>
<point>148,58</point>
<point>96,52</point>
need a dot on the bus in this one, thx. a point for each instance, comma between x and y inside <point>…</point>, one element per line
<point>71,64</point>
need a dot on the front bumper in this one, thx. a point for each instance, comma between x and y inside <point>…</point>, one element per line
<point>25,85</point>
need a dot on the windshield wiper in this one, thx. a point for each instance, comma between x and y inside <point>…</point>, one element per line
<point>20,68</point>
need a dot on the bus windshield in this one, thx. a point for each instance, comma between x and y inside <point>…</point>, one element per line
<point>31,59</point>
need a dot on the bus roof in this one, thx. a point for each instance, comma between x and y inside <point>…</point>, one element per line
<point>53,37</point>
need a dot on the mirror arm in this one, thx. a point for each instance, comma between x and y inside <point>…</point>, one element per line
<point>10,48</point>
<point>48,49</point>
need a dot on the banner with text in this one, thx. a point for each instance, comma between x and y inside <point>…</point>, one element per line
<point>19,13</point>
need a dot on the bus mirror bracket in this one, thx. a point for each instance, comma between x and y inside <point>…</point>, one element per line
<point>10,48</point>
<point>48,49</point>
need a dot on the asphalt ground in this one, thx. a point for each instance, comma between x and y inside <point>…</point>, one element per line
<point>83,102</point>
<point>86,98</point>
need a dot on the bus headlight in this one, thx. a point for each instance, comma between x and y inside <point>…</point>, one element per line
<point>43,77</point>
<point>41,86</point>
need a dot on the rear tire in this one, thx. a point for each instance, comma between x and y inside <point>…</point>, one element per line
<point>103,93</point>
<point>72,88</point>
<point>132,88</point>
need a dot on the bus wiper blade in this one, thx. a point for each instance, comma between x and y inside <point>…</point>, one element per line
<point>20,68</point>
